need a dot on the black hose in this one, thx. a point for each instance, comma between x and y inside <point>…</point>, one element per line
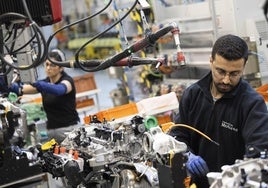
<point>61,63</point>
<point>40,40</point>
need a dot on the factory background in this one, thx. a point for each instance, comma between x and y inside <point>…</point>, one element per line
<point>200,23</point>
<point>112,92</point>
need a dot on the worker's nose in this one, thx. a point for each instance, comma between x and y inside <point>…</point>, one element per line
<point>226,79</point>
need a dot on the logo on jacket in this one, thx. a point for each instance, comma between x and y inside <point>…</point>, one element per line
<point>229,126</point>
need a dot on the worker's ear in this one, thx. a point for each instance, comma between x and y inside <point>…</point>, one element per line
<point>211,61</point>
<point>61,69</point>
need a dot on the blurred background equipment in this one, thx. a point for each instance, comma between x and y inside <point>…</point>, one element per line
<point>152,48</point>
<point>43,12</point>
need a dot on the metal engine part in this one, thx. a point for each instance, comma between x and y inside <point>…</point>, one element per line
<point>15,159</point>
<point>245,173</point>
<point>13,123</point>
<point>112,155</point>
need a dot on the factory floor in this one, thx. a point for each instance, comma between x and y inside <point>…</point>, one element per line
<point>110,85</point>
<point>102,100</point>
<point>106,84</point>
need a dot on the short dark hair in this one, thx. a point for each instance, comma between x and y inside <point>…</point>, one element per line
<point>57,54</point>
<point>230,47</point>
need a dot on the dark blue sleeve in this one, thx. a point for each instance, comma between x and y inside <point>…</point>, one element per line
<point>255,129</point>
<point>181,133</point>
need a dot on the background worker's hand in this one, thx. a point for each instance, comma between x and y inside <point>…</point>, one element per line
<point>196,165</point>
<point>16,87</point>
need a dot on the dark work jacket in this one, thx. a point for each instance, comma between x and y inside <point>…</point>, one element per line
<point>238,122</point>
<point>60,110</point>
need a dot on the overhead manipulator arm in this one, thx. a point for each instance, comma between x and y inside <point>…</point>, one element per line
<point>124,58</point>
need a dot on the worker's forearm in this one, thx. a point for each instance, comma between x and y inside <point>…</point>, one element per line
<point>29,89</point>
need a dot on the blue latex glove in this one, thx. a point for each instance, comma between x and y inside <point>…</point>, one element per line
<point>55,89</point>
<point>196,165</point>
<point>16,87</point>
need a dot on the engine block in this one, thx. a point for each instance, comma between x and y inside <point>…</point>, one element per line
<point>108,155</point>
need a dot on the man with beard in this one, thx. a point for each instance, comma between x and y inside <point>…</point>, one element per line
<point>224,107</point>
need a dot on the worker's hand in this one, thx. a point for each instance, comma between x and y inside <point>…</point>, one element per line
<point>196,165</point>
<point>16,87</point>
